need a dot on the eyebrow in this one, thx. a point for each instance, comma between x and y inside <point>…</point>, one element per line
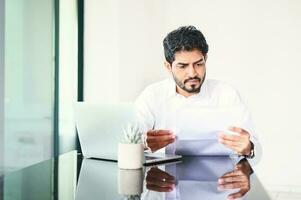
<point>188,63</point>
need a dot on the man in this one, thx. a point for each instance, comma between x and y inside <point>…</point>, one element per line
<point>185,52</point>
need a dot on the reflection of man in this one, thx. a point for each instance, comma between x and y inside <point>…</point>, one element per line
<point>239,178</point>
<point>186,54</point>
<point>159,180</point>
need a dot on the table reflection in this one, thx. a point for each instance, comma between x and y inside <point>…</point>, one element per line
<point>193,178</point>
<point>71,177</point>
<point>199,177</point>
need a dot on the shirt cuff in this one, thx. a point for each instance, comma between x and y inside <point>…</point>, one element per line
<point>146,147</point>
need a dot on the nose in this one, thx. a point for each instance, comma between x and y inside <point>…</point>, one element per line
<point>191,71</point>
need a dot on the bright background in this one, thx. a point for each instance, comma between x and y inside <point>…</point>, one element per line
<point>254,45</point>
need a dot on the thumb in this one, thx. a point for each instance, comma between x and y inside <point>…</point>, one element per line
<point>239,130</point>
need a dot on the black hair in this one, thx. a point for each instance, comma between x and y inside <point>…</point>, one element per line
<point>185,38</point>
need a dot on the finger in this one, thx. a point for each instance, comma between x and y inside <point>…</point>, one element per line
<point>157,146</point>
<point>236,129</point>
<point>154,146</point>
<point>239,130</point>
<point>159,132</point>
<point>159,143</point>
<point>160,138</point>
<point>237,195</point>
<point>158,188</point>
<point>230,179</point>
<point>161,174</point>
<point>240,148</point>
<point>158,182</point>
<point>238,166</point>
<point>231,185</point>
<point>229,142</point>
<point>232,173</point>
<point>224,136</point>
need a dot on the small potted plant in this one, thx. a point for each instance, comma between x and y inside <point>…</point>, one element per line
<point>131,150</point>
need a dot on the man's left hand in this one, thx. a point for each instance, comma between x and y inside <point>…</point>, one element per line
<point>240,143</point>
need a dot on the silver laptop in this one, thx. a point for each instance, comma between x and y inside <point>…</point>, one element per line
<point>100,129</point>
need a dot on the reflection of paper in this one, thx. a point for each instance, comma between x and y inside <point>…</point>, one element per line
<point>201,148</point>
<point>202,168</point>
<point>196,178</point>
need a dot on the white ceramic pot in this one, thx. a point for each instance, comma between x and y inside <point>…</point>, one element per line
<point>130,181</point>
<point>130,156</point>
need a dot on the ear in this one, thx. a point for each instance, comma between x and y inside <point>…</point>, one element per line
<point>167,65</point>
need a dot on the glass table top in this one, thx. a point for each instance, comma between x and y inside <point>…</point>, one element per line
<point>70,176</point>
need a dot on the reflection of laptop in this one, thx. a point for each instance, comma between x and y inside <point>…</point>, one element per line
<point>160,158</point>
<point>100,129</point>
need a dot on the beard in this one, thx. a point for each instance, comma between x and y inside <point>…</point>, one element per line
<point>194,88</point>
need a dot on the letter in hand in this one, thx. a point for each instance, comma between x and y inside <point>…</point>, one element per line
<point>157,139</point>
<point>159,181</point>
<point>238,178</point>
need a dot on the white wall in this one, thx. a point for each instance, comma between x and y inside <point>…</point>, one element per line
<point>124,53</point>
<point>254,45</point>
<point>101,51</point>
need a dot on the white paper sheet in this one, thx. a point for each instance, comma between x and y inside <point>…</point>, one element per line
<point>204,123</point>
<point>197,129</point>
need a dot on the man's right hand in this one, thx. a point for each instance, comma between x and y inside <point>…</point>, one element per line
<point>157,139</point>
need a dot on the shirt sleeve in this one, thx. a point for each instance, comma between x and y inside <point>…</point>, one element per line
<point>144,113</point>
<point>248,125</point>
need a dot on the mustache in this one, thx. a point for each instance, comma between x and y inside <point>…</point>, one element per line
<point>194,78</point>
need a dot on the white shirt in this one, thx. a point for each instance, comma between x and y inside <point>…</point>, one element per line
<point>156,103</point>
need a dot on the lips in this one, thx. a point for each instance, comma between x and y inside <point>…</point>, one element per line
<point>192,81</point>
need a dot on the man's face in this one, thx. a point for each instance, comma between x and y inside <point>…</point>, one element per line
<point>189,71</point>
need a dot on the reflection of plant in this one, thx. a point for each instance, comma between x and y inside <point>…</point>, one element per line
<point>132,134</point>
<point>132,197</point>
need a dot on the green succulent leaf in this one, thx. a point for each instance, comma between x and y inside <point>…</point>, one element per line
<point>132,134</point>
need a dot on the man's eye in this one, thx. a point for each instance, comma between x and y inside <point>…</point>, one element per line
<point>181,66</point>
<point>200,64</point>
